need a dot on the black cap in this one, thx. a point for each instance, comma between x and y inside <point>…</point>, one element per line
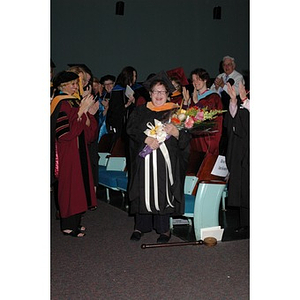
<point>62,77</point>
<point>107,77</point>
<point>162,75</point>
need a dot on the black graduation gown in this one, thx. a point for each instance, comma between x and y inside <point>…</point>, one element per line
<point>116,114</point>
<point>237,157</point>
<point>178,152</point>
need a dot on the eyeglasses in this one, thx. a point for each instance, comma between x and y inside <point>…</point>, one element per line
<point>109,83</point>
<point>159,92</point>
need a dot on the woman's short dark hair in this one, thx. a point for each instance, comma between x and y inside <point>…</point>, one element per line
<point>160,82</point>
<point>203,74</point>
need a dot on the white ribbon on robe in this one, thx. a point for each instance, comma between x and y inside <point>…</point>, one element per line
<point>166,155</point>
<point>147,183</point>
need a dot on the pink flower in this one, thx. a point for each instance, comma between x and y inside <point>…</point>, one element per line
<point>189,123</point>
<point>199,116</point>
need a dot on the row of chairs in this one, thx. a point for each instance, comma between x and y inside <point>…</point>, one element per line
<point>203,191</point>
<point>112,172</point>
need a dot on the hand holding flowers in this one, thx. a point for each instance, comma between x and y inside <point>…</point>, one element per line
<point>171,129</point>
<point>152,142</point>
<point>156,134</point>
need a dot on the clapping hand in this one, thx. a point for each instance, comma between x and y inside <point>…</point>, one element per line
<point>231,92</point>
<point>86,103</point>
<point>104,102</point>
<point>186,95</point>
<point>242,91</point>
<point>94,108</point>
<point>87,92</point>
<point>219,82</point>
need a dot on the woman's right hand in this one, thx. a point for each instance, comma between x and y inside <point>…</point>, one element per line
<point>87,92</point>
<point>152,142</point>
<point>231,92</point>
<point>186,95</point>
<point>85,104</point>
<point>242,91</point>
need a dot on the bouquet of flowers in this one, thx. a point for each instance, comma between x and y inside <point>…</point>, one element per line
<point>196,120</point>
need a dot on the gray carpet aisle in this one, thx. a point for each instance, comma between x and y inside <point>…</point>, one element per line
<point>105,264</point>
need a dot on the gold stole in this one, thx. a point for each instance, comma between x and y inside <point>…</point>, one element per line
<point>166,106</point>
<point>57,99</point>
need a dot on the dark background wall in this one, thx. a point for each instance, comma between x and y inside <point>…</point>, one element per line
<point>152,35</point>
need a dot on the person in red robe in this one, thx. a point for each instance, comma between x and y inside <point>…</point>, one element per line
<point>204,97</point>
<point>72,128</point>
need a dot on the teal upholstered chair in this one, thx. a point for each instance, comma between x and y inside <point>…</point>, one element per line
<point>203,196</point>
<point>103,159</point>
<point>105,148</point>
<point>189,186</point>
<point>107,176</point>
<point>204,207</point>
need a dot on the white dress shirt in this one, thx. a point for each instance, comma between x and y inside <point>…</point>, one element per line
<point>236,76</point>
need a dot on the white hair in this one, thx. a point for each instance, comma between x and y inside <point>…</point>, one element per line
<point>229,57</point>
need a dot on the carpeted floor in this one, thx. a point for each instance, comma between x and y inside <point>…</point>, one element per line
<point>105,264</point>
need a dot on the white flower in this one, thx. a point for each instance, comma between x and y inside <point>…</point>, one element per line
<point>156,131</point>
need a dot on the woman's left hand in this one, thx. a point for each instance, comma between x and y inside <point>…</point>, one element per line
<point>186,95</point>
<point>231,92</point>
<point>242,91</point>
<point>94,108</point>
<point>87,92</point>
<point>171,130</point>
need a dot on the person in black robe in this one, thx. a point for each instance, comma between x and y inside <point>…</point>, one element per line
<point>237,156</point>
<point>156,181</point>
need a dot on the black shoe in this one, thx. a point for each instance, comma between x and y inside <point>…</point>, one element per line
<point>77,233</point>
<point>81,228</point>
<point>136,236</point>
<point>163,238</point>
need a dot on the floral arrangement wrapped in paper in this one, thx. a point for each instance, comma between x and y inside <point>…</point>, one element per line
<point>196,120</point>
<point>155,131</point>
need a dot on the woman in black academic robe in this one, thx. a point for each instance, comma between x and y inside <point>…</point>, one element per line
<point>156,182</point>
<point>237,157</point>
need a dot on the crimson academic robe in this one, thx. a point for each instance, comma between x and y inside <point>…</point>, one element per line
<point>178,152</point>
<point>209,143</point>
<point>75,181</point>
